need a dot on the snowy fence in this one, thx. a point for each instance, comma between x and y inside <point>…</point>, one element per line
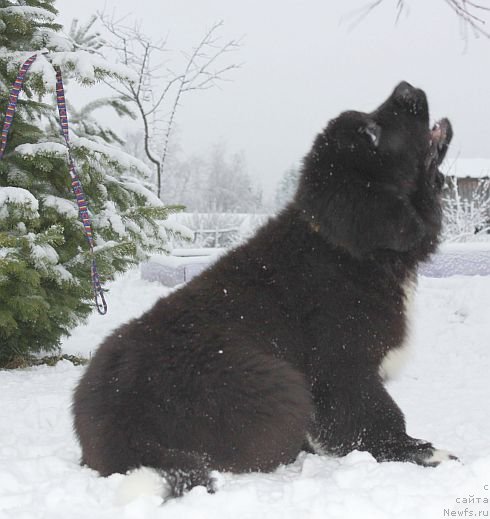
<point>465,259</point>
<point>218,230</point>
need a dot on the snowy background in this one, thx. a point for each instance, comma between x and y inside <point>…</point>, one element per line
<point>444,392</point>
<point>304,62</point>
<point>256,127</point>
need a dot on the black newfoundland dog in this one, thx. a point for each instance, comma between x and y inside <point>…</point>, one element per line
<point>282,345</point>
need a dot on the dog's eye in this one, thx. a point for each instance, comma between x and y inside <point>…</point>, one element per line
<point>373,131</point>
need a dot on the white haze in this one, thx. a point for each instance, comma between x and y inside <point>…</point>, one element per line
<point>304,62</point>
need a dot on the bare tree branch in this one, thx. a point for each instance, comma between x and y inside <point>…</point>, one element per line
<point>191,82</point>
<point>159,90</point>
<point>358,15</point>
<point>463,8</point>
<point>467,11</point>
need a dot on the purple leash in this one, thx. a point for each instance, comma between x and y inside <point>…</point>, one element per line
<point>76,185</point>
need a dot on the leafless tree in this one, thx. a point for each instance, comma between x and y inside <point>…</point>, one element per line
<point>471,14</point>
<point>158,90</point>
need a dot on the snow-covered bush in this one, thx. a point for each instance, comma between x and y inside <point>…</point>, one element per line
<point>466,219</point>
<point>45,285</point>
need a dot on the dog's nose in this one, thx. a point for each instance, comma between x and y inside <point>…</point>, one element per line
<point>412,99</point>
<point>405,91</point>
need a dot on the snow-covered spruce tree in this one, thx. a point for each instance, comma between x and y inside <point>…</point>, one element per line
<point>45,285</point>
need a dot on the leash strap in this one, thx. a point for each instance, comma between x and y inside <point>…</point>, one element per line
<point>14,94</point>
<point>76,185</point>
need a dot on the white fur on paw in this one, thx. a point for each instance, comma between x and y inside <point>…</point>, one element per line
<point>141,482</point>
<point>438,456</point>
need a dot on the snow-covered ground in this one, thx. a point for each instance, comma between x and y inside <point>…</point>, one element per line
<point>444,391</point>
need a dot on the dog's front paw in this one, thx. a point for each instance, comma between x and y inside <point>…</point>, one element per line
<point>412,450</point>
<point>432,457</point>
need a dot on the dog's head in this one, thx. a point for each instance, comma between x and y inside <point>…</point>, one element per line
<point>393,145</point>
<point>371,181</point>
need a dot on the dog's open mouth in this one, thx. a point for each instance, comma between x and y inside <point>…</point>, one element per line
<point>440,136</point>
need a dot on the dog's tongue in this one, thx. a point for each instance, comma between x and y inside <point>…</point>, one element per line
<point>440,137</point>
<point>441,133</point>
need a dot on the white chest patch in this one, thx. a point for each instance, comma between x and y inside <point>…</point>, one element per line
<point>396,358</point>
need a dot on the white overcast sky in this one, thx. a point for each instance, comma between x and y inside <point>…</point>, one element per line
<point>303,63</point>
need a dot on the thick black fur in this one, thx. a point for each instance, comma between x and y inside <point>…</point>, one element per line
<point>282,340</point>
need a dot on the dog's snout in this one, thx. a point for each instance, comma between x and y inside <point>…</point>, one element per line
<point>406,91</point>
<point>411,98</point>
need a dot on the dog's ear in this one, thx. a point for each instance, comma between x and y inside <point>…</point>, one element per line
<point>372,131</point>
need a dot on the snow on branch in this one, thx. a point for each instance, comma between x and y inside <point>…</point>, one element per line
<point>89,67</point>
<point>55,149</point>
<point>62,206</point>
<point>28,12</point>
<point>51,40</point>
<point>112,153</point>
<point>17,196</point>
<point>85,67</point>
<point>138,189</point>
